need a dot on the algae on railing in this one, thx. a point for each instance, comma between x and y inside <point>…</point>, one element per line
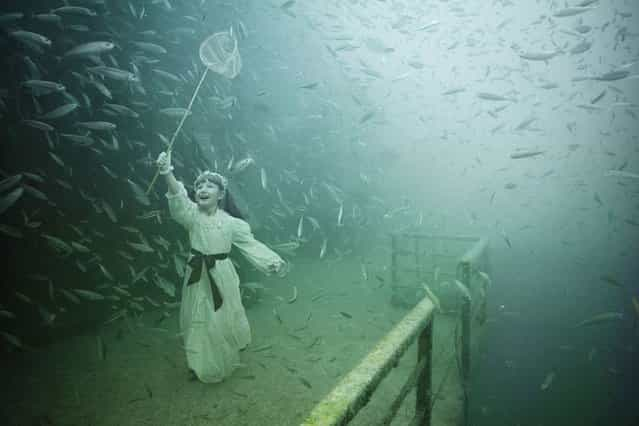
<point>354,391</point>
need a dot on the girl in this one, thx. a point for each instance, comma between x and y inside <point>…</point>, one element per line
<point>212,319</point>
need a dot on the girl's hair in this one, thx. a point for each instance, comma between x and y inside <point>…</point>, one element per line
<point>227,203</point>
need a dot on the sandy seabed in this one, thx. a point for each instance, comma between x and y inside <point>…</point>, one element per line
<point>141,377</point>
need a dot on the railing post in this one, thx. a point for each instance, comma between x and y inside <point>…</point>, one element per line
<point>394,260</point>
<point>417,262</point>
<point>465,343</point>
<point>424,393</point>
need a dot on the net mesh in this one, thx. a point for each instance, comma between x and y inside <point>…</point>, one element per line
<point>220,54</point>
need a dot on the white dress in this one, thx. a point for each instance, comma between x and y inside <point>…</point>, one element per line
<point>213,338</point>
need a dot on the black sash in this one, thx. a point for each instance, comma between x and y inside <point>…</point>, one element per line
<point>209,262</point>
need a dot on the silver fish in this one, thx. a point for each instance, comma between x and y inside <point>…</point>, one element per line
<point>10,199</point>
<point>175,112</point>
<point>242,165</point>
<point>96,125</point>
<point>9,182</point>
<point>113,73</point>
<point>323,248</point>
<point>60,111</point>
<point>42,87</point>
<point>150,47</point>
<point>539,56</point>
<point>90,49</point>
<point>601,318</point>
<point>572,11</point>
<point>463,290</point>
<point>30,37</point>
<point>493,97</point>
<point>88,294</point>
<point>139,193</point>
<point>525,154</point>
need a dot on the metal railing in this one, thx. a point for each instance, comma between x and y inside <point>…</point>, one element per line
<point>354,391</point>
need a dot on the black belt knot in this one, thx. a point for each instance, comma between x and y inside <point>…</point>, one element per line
<point>198,258</point>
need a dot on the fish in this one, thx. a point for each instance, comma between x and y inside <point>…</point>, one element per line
<point>402,76</point>
<point>109,211</point>
<point>611,280</point>
<point>9,200</point>
<point>242,165</point>
<point>453,91</point>
<point>598,97</point>
<point>35,192</point>
<point>175,112</point>
<point>102,351</point>
<point>57,244</point>
<point>93,48</point>
<point>493,97</point>
<point>42,87</point>
<point>294,297</point>
<point>10,231</point>
<point>310,86</point>
<point>525,154</point>
<point>524,124</point>
<point>323,248</point>
<point>13,340</point>
<point>74,10</point>
<point>601,318</point>
<point>96,125</point>
<point>367,116</point>
<point>506,239</point>
<point>139,193</point>
<point>141,247</point>
<point>164,284</point>
<point>613,75</point>
<point>345,314</point>
<point>581,47</point>
<point>300,227</point>
<point>263,179</point>
<point>88,294</point>
<point>464,290</point>
<point>572,11</point>
<point>598,199</point>
<point>622,173</point>
<point>113,73</point>
<point>305,382</point>
<point>9,182</point>
<point>550,377</point>
<point>314,222</point>
<point>29,37</point>
<point>432,297</point>
<point>40,125</point>
<point>539,56</point>
<point>431,24</point>
<point>340,214</point>
<point>59,112</point>
<point>57,159</point>
<point>151,48</point>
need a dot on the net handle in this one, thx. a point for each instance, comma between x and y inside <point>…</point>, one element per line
<point>179,127</point>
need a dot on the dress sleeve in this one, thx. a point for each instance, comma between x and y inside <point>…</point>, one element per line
<point>258,254</point>
<point>181,207</point>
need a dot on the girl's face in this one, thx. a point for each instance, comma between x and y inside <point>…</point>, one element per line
<point>207,194</point>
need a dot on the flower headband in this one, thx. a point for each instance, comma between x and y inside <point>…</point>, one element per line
<point>213,177</point>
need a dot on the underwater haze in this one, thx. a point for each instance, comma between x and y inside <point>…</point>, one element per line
<point>337,124</point>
